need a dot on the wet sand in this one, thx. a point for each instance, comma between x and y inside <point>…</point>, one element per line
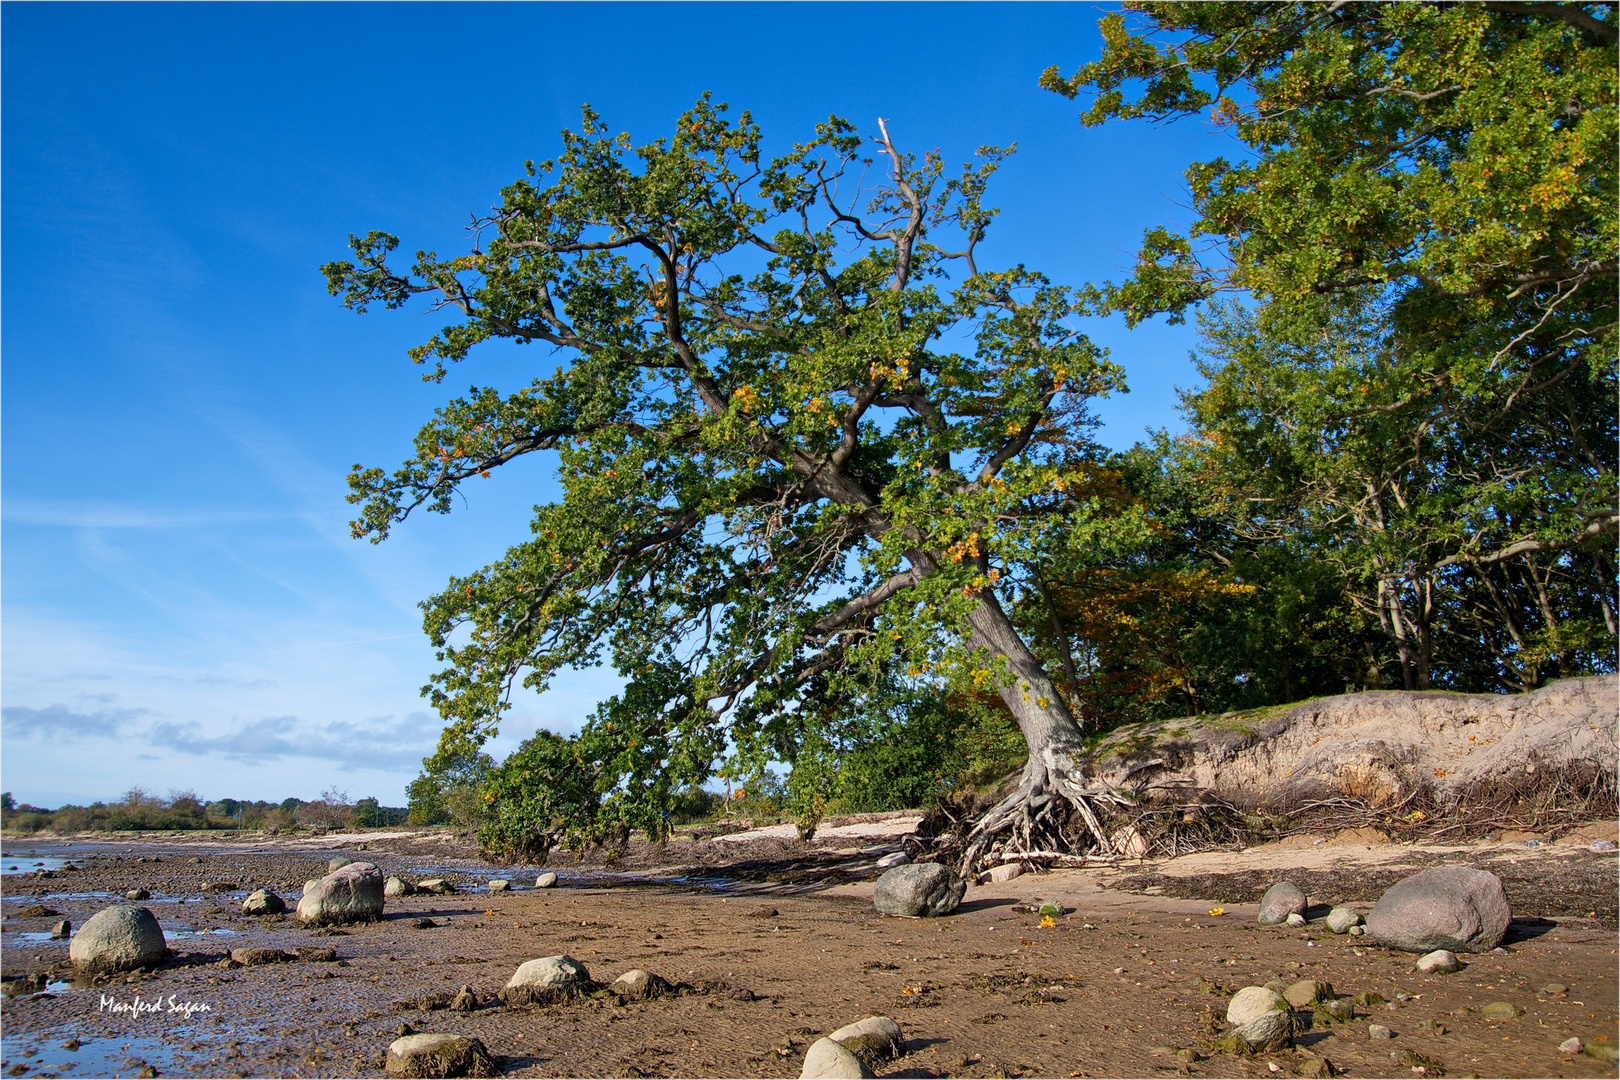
<point>775,960</point>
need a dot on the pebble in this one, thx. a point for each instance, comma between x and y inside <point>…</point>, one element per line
<point>137,894</point>
<point>1554,988</point>
<point>1295,919</point>
<point>546,880</point>
<point>499,885</point>
<point>1501,1010</point>
<point>1602,845</point>
<point>894,858</point>
<point>1571,1045</point>
<point>1379,1031</point>
<point>1356,931</point>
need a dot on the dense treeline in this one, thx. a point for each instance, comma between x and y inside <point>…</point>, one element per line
<point>1400,468</point>
<point>1303,544</point>
<point>140,810</point>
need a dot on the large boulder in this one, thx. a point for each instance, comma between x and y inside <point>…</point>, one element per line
<point>1457,908</point>
<point>1281,900</point>
<point>119,938</point>
<point>351,893</point>
<point>438,1055</point>
<point>926,888</point>
<point>547,980</point>
<point>829,1060</point>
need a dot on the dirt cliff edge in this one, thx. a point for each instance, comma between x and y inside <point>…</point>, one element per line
<point>1377,748</point>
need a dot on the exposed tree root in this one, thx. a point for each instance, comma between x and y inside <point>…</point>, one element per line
<point>1041,823</point>
<point>1046,816</point>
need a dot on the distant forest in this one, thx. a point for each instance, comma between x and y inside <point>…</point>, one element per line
<point>140,810</point>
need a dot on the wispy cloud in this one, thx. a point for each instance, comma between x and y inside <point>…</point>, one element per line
<point>60,722</point>
<point>377,743</point>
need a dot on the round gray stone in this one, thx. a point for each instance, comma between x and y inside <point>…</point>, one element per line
<point>438,1054</point>
<point>1439,962</point>
<point>1268,1031</point>
<point>638,985</point>
<point>1308,992</point>
<point>927,889</point>
<point>263,902</point>
<point>1457,908</point>
<point>829,1060</point>
<point>351,893</point>
<point>1281,900</point>
<point>118,939</point>
<point>550,972</point>
<point>1341,919</point>
<point>1252,1002</point>
<point>546,880</point>
<point>874,1040</point>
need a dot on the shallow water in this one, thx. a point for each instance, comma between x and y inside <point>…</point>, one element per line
<point>27,863</point>
<point>119,1056</point>
<point>188,932</point>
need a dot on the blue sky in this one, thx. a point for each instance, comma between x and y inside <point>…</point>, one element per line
<point>182,605</point>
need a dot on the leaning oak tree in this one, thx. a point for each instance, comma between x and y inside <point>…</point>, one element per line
<point>803,439</point>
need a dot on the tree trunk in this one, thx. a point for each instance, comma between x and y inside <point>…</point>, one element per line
<point>1050,776</point>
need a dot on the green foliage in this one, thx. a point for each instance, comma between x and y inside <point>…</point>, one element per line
<point>546,795</point>
<point>1463,153</point>
<point>780,484</point>
<point>450,788</point>
<point>1464,531</point>
<point>1417,412</point>
<point>693,803</point>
